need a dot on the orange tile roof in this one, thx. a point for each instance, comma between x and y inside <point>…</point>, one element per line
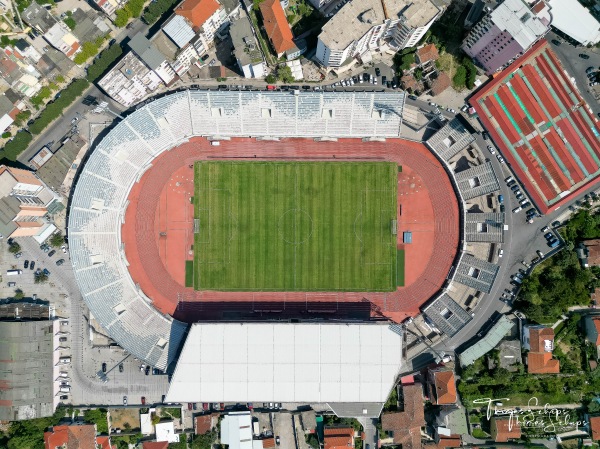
<point>197,11</point>
<point>407,424</point>
<point>440,84</point>
<point>104,442</point>
<point>74,437</point>
<point>542,363</point>
<point>595,427</point>
<point>537,338</point>
<point>445,387</point>
<point>427,53</point>
<point>505,429</point>
<point>59,436</point>
<point>596,323</point>
<point>276,25</point>
<point>453,441</point>
<point>338,437</point>
<point>268,442</point>
<point>203,424</point>
<point>155,445</point>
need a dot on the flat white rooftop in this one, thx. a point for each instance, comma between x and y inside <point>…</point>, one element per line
<point>267,362</point>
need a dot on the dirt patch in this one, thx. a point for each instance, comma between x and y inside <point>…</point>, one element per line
<point>120,416</point>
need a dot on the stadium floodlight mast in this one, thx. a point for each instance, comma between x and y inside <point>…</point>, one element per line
<point>103,107</point>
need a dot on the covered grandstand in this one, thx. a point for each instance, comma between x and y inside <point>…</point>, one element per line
<point>317,363</point>
<point>120,159</point>
<point>543,127</point>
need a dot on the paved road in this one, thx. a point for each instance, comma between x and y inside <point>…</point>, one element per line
<point>576,66</point>
<point>56,131</point>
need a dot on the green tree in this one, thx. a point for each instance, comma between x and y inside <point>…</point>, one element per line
<point>97,416</point>
<point>22,117</point>
<point>88,49</point>
<point>40,278</point>
<point>471,73</point>
<point>312,440</point>
<point>57,240</point>
<point>122,17</point>
<point>126,426</point>
<point>6,134</point>
<point>103,62</point>
<point>14,248</point>
<point>19,294</point>
<point>204,441</point>
<point>270,78</point>
<point>155,419</point>
<point>70,22</point>
<point>284,74</point>
<point>460,77</point>
<point>16,145</point>
<point>419,74</point>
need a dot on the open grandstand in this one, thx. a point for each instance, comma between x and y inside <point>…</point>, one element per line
<point>543,127</point>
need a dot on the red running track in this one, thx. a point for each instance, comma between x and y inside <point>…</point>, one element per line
<point>158,236</point>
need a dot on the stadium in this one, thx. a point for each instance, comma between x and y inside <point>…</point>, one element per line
<point>262,245</point>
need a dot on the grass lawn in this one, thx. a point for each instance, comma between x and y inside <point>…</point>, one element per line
<point>189,273</point>
<point>400,268</point>
<point>295,226</point>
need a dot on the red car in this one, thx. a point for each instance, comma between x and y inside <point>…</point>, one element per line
<point>222,404</point>
<point>189,405</point>
<point>205,406</point>
<point>143,400</point>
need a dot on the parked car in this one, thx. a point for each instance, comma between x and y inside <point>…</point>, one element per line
<point>32,265</point>
<point>104,367</point>
<point>583,56</point>
<point>517,209</point>
<point>59,262</point>
<point>548,235</point>
<point>277,440</point>
<point>26,264</point>
<point>377,71</point>
<point>46,272</point>
<point>500,252</point>
<point>500,159</point>
<point>121,369</point>
<point>491,149</point>
<point>556,42</point>
<point>51,253</point>
<point>143,400</point>
<point>124,400</point>
<point>205,406</point>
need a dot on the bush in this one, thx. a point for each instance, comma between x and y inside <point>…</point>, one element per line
<point>55,109</point>
<point>19,294</point>
<point>104,61</point>
<point>6,135</point>
<point>44,92</point>
<point>156,9</point>
<point>40,278</point>
<point>471,73</point>
<point>270,79</point>
<point>14,248</point>
<point>16,146</point>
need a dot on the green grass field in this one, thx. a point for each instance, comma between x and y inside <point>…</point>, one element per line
<point>295,226</point>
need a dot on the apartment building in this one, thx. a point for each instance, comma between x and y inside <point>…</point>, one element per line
<point>24,201</point>
<point>61,38</point>
<point>246,49</point>
<point>205,17</point>
<point>369,25</point>
<point>506,33</point>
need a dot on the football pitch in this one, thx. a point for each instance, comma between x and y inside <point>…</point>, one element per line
<point>295,226</point>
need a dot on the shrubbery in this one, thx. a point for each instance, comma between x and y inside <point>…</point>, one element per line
<point>17,145</point>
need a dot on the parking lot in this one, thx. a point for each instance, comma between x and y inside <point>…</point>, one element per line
<point>284,429</point>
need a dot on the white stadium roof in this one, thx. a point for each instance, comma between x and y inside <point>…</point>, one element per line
<point>573,19</point>
<point>283,362</point>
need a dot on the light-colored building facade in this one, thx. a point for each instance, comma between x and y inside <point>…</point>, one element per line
<point>61,38</point>
<point>130,80</point>
<point>506,33</point>
<point>369,25</point>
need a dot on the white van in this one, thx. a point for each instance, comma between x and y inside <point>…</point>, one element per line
<point>66,389</point>
<point>65,360</point>
<point>13,272</point>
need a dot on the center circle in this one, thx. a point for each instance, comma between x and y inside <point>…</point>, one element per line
<point>295,226</point>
